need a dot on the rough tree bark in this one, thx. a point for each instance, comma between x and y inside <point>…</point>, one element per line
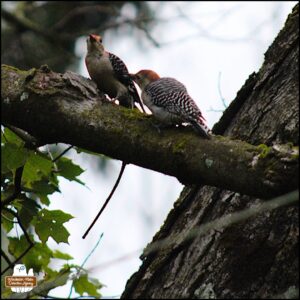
<point>66,108</point>
<point>257,258</point>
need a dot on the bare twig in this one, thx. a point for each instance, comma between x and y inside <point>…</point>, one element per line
<point>107,200</point>
<point>17,187</point>
<point>31,244</point>
<point>30,140</point>
<point>220,92</point>
<point>214,110</point>
<point>85,260</point>
<point>9,220</point>
<point>5,257</point>
<point>223,222</point>
<point>207,32</point>
<point>24,23</point>
<point>45,286</point>
<point>61,154</point>
<point>80,11</point>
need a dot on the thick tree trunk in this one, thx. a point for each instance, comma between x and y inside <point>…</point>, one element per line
<point>256,258</point>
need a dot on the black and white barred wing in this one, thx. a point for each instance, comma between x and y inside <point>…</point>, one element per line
<point>121,72</point>
<point>166,85</point>
<point>182,104</point>
<point>172,96</point>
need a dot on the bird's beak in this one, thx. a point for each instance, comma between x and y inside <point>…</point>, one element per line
<point>94,37</point>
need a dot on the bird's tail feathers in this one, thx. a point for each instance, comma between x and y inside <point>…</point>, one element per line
<point>202,129</point>
<point>135,96</point>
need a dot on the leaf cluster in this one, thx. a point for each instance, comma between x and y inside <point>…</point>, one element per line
<point>29,211</point>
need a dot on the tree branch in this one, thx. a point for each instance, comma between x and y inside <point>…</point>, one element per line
<point>22,22</point>
<point>66,108</point>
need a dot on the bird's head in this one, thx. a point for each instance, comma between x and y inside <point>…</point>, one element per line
<point>94,43</point>
<point>144,77</point>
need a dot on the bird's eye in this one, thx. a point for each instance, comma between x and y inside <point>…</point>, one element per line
<point>100,40</point>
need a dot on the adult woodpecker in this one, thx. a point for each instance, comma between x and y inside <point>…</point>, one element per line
<point>169,101</point>
<point>110,73</point>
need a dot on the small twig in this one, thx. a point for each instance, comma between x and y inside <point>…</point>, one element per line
<point>5,257</point>
<point>22,22</point>
<point>214,110</point>
<point>11,266</point>
<point>31,244</point>
<point>85,260</point>
<point>61,154</point>
<point>57,38</point>
<point>220,92</point>
<point>107,200</point>
<point>223,222</point>
<point>133,22</point>
<point>220,223</point>
<point>45,286</point>
<point>6,218</point>
<point>148,35</point>
<point>31,141</point>
<point>17,190</point>
<point>221,97</point>
<point>81,11</point>
<point>51,157</point>
<point>118,260</point>
<point>4,135</point>
<point>20,223</point>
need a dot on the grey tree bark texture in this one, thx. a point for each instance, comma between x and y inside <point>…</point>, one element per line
<point>32,99</point>
<point>257,258</point>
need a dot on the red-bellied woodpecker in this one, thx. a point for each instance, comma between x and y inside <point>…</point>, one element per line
<point>110,73</point>
<point>169,101</point>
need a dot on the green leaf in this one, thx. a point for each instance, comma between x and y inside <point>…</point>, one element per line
<point>28,208</point>
<point>7,179</point>
<point>36,167</point>
<point>53,179</point>
<point>4,168</point>
<point>49,273</point>
<point>11,137</point>
<point>43,187</point>
<point>37,257</point>
<point>12,157</point>
<point>59,255</point>
<point>81,150</point>
<point>50,223</point>
<point>5,221</point>
<point>56,279</point>
<point>44,199</point>
<point>69,170</point>
<point>17,246</point>
<point>83,285</point>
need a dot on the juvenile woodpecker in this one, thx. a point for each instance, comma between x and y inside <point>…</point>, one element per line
<point>110,73</point>
<point>169,101</point>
